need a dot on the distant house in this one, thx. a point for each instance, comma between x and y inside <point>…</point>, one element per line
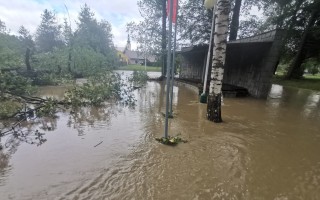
<point>123,58</point>
<point>130,57</point>
<point>136,57</point>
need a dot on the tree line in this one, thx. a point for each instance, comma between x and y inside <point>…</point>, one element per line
<point>58,48</point>
<point>301,19</point>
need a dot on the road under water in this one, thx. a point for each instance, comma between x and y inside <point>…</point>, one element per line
<point>264,149</point>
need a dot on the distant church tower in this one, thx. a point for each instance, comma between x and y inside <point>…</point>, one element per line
<point>128,47</point>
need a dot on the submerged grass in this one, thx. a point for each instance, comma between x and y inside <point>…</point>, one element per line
<point>307,82</point>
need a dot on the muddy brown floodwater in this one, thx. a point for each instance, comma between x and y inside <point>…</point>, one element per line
<point>265,149</point>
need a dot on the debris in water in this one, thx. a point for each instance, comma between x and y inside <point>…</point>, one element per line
<point>98,144</point>
<point>170,116</point>
<point>172,141</point>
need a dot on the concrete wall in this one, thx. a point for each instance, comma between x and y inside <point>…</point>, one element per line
<point>250,62</point>
<point>193,64</point>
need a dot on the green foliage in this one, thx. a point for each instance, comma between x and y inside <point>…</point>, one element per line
<point>148,32</point>
<point>139,77</point>
<point>88,62</point>
<point>53,61</point>
<point>48,109</point>
<point>11,51</point>
<point>48,34</point>
<point>14,83</point>
<point>314,70</point>
<point>195,22</point>
<point>26,38</point>
<point>3,28</point>
<point>312,65</point>
<point>44,78</point>
<point>87,51</point>
<point>98,89</point>
<point>8,108</point>
<point>92,34</point>
<point>172,141</point>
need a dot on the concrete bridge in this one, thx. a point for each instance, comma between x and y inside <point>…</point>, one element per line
<point>250,62</point>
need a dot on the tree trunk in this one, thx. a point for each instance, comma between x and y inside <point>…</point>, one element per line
<point>164,38</point>
<point>27,60</point>
<point>295,71</point>
<point>69,61</point>
<point>218,60</point>
<point>234,26</point>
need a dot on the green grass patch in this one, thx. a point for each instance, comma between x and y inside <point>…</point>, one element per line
<point>310,76</point>
<point>140,68</point>
<point>307,82</point>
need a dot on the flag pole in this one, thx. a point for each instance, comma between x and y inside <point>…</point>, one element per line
<point>173,60</point>
<point>168,68</point>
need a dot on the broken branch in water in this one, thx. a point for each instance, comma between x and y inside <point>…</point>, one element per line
<point>172,141</point>
<point>98,144</point>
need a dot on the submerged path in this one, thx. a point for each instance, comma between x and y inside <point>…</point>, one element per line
<point>265,149</point>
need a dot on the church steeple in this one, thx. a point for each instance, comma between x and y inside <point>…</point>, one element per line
<point>128,47</point>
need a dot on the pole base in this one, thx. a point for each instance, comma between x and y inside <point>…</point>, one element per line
<point>203,98</point>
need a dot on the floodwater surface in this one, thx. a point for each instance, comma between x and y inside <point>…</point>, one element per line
<point>264,149</point>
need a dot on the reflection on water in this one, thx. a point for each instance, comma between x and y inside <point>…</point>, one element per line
<point>265,149</point>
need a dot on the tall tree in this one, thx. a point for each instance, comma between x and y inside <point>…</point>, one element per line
<point>194,22</point>
<point>148,32</point>
<point>234,26</point>
<point>25,37</point>
<point>94,39</point>
<point>295,16</point>
<point>3,28</point>
<point>28,43</point>
<point>218,60</point>
<point>68,39</point>
<point>295,70</point>
<point>93,34</point>
<point>48,35</point>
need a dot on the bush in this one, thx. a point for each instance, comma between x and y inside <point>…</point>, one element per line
<point>139,77</point>
<point>8,108</point>
<point>314,70</point>
<point>14,83</point>
<point>98,89</point>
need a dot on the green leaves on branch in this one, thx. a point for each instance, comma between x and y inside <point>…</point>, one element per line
<point>48,108</point>
<point>107,86</point>
<point>14,83</point>
<point>9,108</point>
<point>139,78</point>
<point>172,141</point>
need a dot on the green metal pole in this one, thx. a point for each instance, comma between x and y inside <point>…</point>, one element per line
<point>168,69</point>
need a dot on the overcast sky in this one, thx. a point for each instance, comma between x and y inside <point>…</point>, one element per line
<point>28,13</point>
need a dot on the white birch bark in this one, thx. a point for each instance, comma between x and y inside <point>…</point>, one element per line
<point>218,59</point>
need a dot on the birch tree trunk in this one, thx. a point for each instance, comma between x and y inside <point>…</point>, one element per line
<point>218,60</point>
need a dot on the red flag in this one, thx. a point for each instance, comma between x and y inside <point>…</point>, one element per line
<point>175,10</point>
